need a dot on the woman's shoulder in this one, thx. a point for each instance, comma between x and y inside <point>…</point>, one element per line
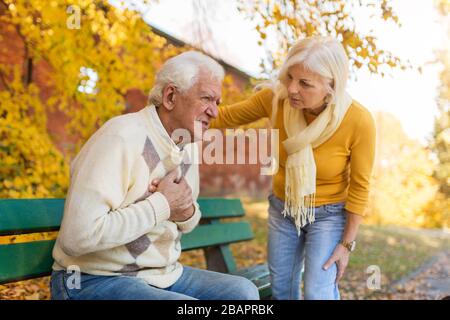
<point>360,115</point>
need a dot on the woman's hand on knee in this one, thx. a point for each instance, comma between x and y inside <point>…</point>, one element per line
<point>340,256</point>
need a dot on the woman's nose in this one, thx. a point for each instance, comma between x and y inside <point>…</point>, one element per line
<point>293,88</point>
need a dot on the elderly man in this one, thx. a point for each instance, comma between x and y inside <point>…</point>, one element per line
<point>118,230</point>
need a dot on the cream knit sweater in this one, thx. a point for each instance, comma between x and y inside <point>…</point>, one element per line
<point>111,224</point>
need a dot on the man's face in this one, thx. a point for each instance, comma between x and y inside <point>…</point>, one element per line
<point>194,109</point>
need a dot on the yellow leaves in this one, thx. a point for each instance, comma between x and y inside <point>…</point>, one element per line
<point>35,289</point>
<point>352,40</point>
<point>30,165</point>
<point>8,184</point>
<point>30,237</point>
<point>277,13</point>
<point>364,53</point>
<point>18,182</point>
<point>310,29</point>
<point>391,63</point>
<point>12,7</point>
<point>291,20</point>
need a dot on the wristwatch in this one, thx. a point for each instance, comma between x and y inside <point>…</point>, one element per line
<point>349,245</point>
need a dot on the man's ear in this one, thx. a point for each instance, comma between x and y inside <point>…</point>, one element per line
<point>169,96</point>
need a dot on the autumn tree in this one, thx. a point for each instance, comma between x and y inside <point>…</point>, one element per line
<point>95,53</point>
<point>290,20</point>
<point>402,186</point>
<point>92,53</point>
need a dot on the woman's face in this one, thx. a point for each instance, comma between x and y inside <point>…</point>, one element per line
<point>305,88</point>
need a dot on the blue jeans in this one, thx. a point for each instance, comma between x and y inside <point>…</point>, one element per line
<point>193,284</point>
<point>288,252</point>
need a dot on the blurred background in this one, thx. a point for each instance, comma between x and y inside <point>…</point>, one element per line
<point>66,67</point>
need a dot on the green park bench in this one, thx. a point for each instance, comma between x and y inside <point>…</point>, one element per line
<point>21,261</point>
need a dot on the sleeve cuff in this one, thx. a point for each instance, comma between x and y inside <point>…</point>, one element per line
<point>191,223</point>
<point>161,208</point>
<point>359,210</point>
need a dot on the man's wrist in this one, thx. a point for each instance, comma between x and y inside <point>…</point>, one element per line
<point>191,213</point>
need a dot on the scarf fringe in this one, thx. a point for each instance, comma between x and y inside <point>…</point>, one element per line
<point>300,207</point>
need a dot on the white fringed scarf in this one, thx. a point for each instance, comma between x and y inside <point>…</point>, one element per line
<point>300,186</point>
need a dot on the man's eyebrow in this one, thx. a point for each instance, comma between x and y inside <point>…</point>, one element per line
<point>208,93</point>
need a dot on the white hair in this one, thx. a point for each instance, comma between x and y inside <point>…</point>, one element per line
<point>182,71</point>
<point>324,56</point>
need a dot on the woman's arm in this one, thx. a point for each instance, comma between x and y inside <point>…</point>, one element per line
<point>351,226</point>
<point>258,106</point>
<point>361,163</point>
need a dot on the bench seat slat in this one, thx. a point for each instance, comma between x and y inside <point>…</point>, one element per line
<point>27,260</point>
<point>19,216</point>
<point>260,276</point>
<point>254,272</point>
<point>215,234</point>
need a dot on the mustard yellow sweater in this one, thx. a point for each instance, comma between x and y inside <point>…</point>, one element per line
<point>344,162</point>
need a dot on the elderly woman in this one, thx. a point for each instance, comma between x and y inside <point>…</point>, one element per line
<point>321,188</point>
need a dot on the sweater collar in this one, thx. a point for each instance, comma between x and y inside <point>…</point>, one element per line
<point>156,123</point>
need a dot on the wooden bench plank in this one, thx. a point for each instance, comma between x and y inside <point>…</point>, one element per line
<point>254,272</point>
<point>260,276</point>
<point>28,260</point>
<point>215,208</point>
<point>206,235</point>
<point>19,216</point>
<point>20,261</point>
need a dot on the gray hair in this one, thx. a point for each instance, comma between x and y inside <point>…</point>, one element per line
<point>183,71</point>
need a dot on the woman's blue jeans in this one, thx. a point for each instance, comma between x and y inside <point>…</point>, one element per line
<point>288,252</point>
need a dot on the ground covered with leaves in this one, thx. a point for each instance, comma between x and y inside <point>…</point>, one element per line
<point>413,263</point>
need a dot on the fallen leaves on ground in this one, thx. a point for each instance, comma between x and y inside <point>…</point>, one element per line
<point>34,289</point>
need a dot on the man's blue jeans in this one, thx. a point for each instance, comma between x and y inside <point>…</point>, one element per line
<point>288,252</point>
<point>193,284</point>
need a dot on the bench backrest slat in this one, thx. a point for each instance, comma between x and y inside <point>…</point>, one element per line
<point>19,216</point>
<point>215,234</point>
